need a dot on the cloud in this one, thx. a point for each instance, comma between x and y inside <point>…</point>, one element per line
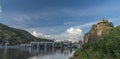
<point>71,23</point>
<point>71,34</point>
<point>74,34</point>
<point>53,14</point>
<point>85,25</point>
<point>21,18</point>
<point>41,35</point>
<point>114,19</point>
<point>0,9</point>
<point>17,20</point>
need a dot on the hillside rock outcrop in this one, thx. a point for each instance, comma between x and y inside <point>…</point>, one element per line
<point>98,31</point>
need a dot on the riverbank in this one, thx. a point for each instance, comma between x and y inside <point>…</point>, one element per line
<point>80,54</point>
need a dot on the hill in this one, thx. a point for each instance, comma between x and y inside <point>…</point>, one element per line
<point>98,31</point>
<point>16,36</point>
<point>106,47</point>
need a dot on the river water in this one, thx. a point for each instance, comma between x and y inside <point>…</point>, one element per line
<point>28,53</point>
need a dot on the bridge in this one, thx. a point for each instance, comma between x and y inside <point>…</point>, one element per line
<point>53,44</point>
<point>40,44</point>
<point>44,43</point>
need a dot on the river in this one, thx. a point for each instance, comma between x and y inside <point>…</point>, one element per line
<point>28,53</point>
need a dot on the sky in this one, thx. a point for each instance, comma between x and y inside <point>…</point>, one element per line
<point>58,19</point>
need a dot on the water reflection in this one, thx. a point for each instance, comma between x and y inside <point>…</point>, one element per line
<point>9,53</point>
<point>28,53</point>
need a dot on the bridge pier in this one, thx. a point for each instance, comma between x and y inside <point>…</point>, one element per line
<point>53,45</point>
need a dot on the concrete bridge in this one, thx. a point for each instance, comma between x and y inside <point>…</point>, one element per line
<point>46,44</point>
<point>52,44</point>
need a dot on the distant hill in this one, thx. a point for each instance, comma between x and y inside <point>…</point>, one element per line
<point>16,36</point>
